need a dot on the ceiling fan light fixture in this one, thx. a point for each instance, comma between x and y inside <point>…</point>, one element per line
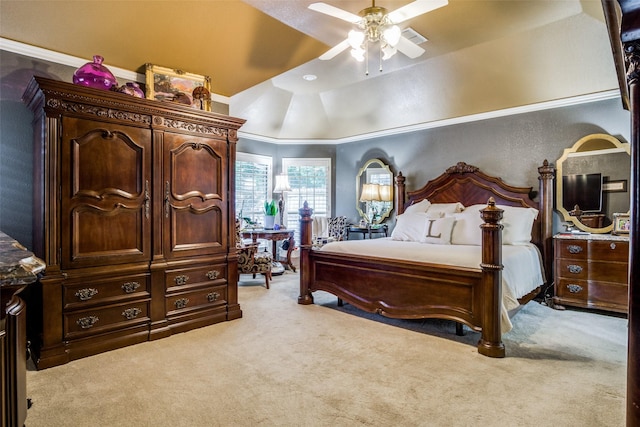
<point>387,51</point>
<point>358,54</point>
<point>391,35</point>
<point>356,39</point>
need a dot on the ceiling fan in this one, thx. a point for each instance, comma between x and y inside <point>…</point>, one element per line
<point>377,25</point>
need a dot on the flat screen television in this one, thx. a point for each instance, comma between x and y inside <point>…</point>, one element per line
<point>584,190</point>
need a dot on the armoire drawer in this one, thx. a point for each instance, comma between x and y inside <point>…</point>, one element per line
<point>202,298</point>
<point>103,291</point>
<point>185,278</point>
<point>103,319</point>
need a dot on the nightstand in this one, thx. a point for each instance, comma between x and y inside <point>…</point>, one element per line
<point>591,271</point>
<point>368,230</point>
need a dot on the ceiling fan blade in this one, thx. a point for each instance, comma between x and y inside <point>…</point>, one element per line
<point>334,51</point>
<point>414,9</point>
<point>327,9</point>
<point>409,48</point>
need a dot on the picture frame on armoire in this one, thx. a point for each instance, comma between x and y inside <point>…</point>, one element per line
<point>166,84</point>
<point>621,223</point>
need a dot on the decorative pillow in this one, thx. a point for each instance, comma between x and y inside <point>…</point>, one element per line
<point>410,226</point>
<point>438,231</point>
<point>421,206</point>
<point>518,223</point>
<point>466,230</point>
<point>445,208</point>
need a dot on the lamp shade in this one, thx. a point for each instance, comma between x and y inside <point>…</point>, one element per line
<point>370,193</point>
<point>385,193</point>
<point>282,183</point>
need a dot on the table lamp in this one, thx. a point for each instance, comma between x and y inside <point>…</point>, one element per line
<point>282,186</point>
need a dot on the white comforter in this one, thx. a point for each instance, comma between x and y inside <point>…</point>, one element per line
<point>522,271</point>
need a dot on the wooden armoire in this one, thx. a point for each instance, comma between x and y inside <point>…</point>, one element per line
<point>133,216</point>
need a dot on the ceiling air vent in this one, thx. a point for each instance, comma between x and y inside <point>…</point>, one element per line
<point>411,34</point>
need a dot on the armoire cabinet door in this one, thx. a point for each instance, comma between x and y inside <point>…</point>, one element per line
<point>106,194</point>
<point>195,198</point>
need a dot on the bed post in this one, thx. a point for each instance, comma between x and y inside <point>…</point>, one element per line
<point>545,196</point>
<point>400,193</point>
<point>305,296</point>
<point>490,343</point>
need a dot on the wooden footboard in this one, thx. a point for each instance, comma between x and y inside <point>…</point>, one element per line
<point>407,289</point>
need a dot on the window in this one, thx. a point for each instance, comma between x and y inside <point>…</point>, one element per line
<point>310,181</point>
<point>253,185</point>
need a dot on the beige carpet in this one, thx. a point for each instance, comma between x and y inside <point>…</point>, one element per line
<point>284,364</point>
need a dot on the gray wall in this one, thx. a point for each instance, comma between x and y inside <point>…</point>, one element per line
<point>511,147</point>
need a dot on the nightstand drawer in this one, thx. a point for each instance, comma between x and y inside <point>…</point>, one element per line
<point>609,251</point>
<point>605,271</point>
<point>572,289</point>
<point>572,249</point>
<point>609,295</point>
<point>573,269</point>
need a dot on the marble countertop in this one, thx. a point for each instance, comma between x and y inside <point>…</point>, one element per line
<point>590,236</point>
<point>18,266</point>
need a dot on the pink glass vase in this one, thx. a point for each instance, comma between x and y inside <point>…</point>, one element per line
<point>95,75</point>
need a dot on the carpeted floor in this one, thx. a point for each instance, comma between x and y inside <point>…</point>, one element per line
<point>284,364</point>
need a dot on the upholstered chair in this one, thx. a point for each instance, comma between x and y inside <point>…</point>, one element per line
<point>329,227</point>
<point>250,261</point>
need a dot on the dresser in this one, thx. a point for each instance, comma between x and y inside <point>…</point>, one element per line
<point>18,269</point>
<point>591,271</point>
<point>133,208</point>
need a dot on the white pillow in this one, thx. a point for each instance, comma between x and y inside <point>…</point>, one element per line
<point>445,208</point>
<point>518,223</point>
<point>410,226</point>
<point>466,230</point>
<point>421,206</point>
<point>438,231</point>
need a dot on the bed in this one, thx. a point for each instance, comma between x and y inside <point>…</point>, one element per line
<point>411,288</point>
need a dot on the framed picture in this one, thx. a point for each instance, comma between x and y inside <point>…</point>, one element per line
<point>619,186</point>
<point>166,84</point>
<point>621,223</point>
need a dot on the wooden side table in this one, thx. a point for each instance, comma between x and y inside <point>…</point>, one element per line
<point>369,230</point>
<point>274,236</point>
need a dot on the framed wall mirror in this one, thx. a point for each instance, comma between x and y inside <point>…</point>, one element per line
<point>374,191</point>
<point>592,182</point>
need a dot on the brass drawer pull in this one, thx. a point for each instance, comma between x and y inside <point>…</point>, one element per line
<point>574,249</point>
<point>130,287</point>
<point>181,280</point>
<point>131,313</point>
<point>181,303</point>
<point>213,296</point>
<point>213,274</point>
<point>87,322</point>
<point>574,289</point>
<point>86,294</point>
<point>575,269</point>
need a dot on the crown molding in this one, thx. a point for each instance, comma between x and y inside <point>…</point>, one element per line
<point>74,61</point>
<point>548,105</point>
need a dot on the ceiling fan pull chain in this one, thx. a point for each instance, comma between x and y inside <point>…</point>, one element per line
<point>380,56</point>
<point>366,57</point>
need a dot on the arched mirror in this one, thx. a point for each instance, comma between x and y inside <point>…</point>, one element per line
<point>591,182</point>
<point>374,191</point>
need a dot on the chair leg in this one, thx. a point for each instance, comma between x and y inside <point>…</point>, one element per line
<point>267,276</point>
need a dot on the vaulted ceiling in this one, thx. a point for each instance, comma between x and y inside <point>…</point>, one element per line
<point>481,55</point>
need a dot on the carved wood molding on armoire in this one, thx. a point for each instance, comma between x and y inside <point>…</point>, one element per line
<point>134,217</point>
